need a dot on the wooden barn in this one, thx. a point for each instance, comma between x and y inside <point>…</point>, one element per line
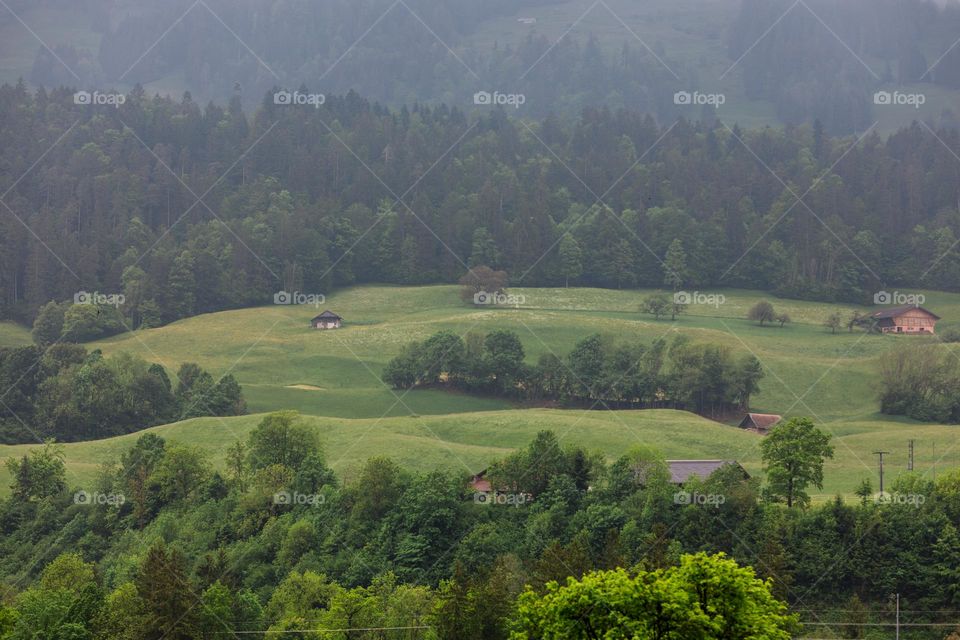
<point>760,422</point>
<point>906,319</point>
<point>327,320</point>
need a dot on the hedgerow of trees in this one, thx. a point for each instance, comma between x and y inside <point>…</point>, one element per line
<point>679,374</point>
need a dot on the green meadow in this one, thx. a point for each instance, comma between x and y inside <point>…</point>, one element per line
<point>332,378</point>
<point>13,335</point>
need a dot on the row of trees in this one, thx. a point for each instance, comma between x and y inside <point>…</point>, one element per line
<point>660,305</point>
<point>67,393</point>
<point>114,204</point>
<point>681,373</point>
<point>195,551</point>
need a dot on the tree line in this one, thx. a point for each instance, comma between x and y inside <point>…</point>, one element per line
<point>294,201</point>
<point>679,374</point>
<point>167,544</point>
<point>67,393</point>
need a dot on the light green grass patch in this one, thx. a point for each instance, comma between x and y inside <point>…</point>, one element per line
<point>270,350</point>
<point>14,335</point>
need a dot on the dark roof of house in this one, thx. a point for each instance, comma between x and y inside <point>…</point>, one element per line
<point>328,315</point>
<point>760,420</point>
<point>895,312</point>
<point>683,470</point>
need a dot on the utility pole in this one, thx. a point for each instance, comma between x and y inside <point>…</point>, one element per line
<point>910,459</point>
<point>898,616</point>
<point>881,454</point>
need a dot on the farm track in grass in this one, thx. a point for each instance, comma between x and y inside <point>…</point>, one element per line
<point>272,351</point>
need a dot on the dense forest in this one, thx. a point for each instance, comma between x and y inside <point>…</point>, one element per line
<point>275,541</point>
<point>809,59</point>
<point>812,62</point>
<point>185,209</point>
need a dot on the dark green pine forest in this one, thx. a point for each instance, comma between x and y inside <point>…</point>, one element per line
<point>186,208</point>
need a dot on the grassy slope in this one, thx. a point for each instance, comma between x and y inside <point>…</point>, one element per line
<point>13,335</point>
<point>271,349</point>
<point>468,442</point>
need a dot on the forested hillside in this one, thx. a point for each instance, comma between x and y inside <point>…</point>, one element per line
<point>279,544</point>
<point>818,59</point>
<point>825,60</point>
<point>185,208</point>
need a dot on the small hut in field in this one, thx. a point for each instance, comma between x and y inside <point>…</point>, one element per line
<point>327,320</point>
<point>760,422</point>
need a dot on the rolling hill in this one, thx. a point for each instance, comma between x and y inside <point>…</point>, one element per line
<point>332,377</point>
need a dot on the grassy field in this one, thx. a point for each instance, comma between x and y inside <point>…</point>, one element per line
<point>333,377</point>
<point>468,442</point>
<point>271,350</point>
<point>13,335</point>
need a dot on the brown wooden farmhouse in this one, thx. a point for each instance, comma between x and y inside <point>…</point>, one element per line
<point>908,318</point>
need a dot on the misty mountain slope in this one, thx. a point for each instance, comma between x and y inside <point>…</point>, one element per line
<point>771,61</point>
